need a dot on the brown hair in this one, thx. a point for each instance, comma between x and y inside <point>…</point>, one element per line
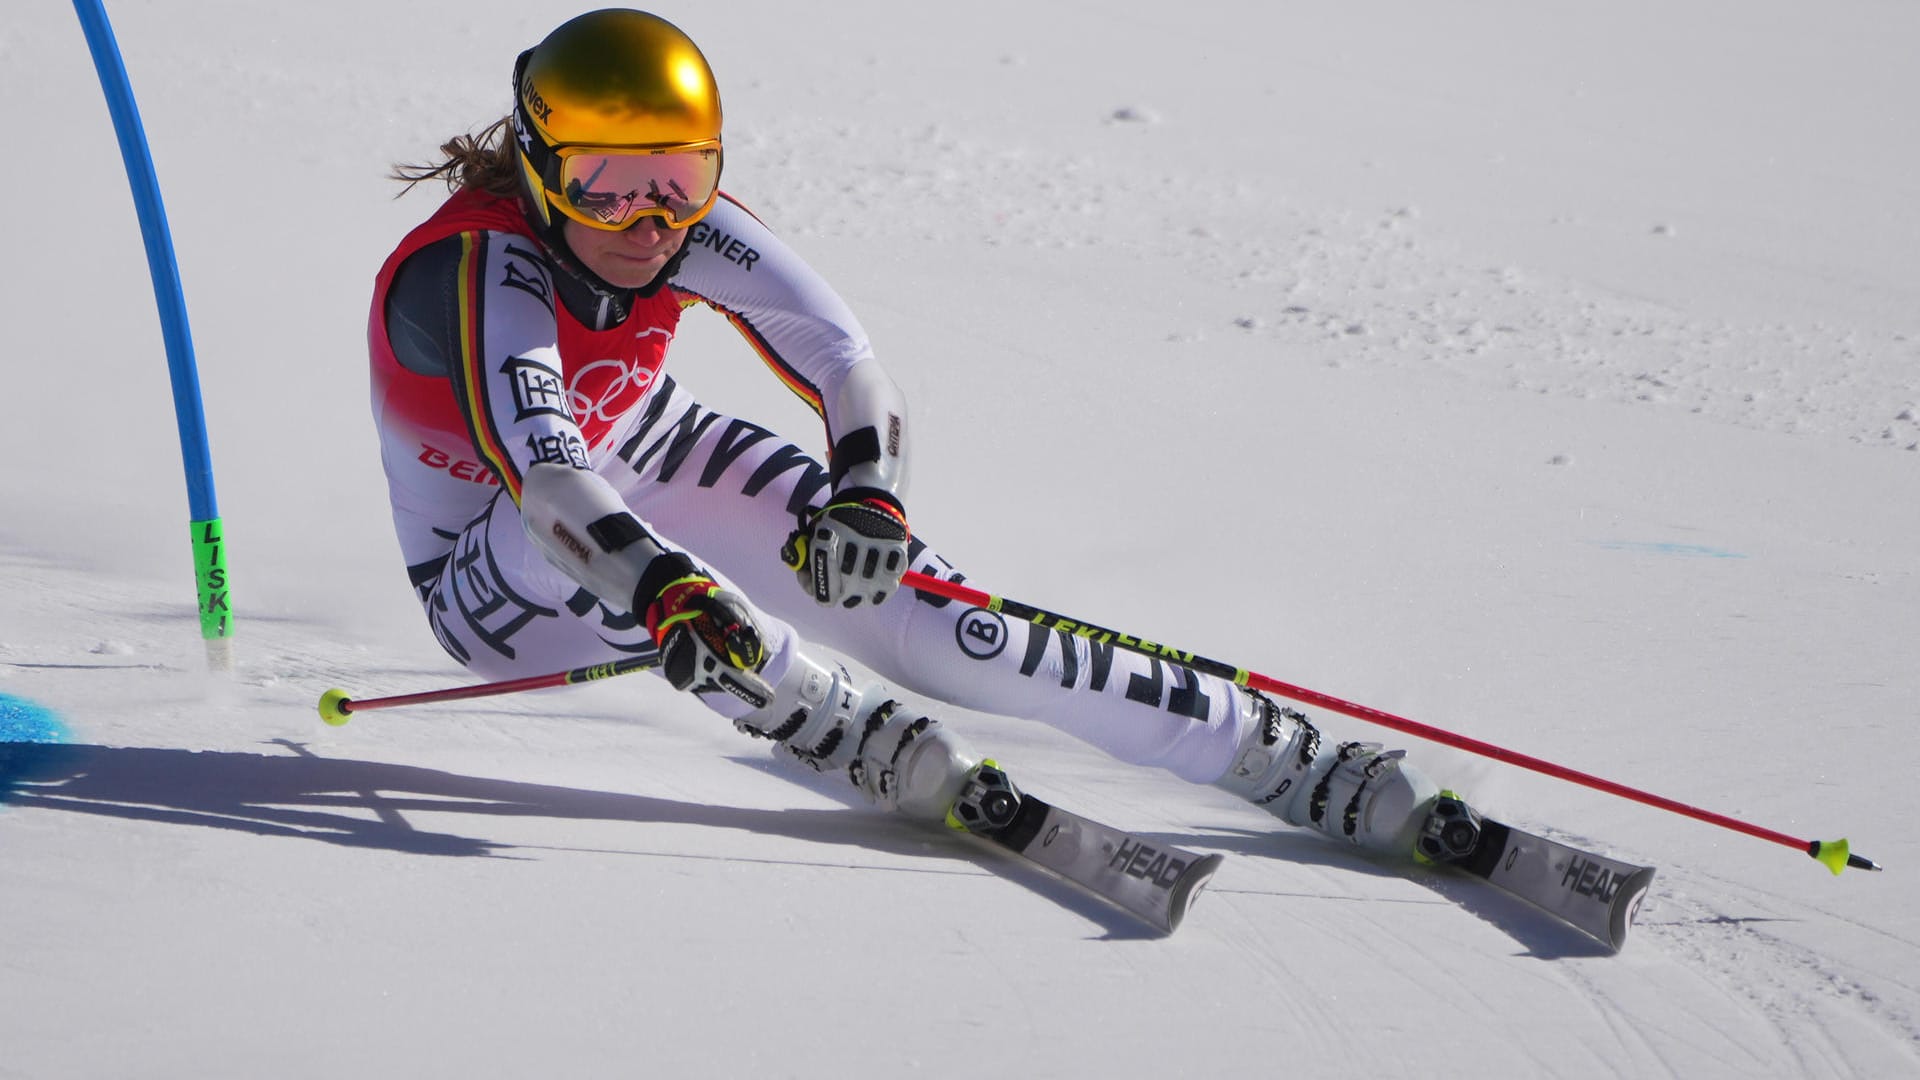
<point>485,161</point>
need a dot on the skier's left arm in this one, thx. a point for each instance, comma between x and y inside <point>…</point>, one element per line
<point>853,549</point>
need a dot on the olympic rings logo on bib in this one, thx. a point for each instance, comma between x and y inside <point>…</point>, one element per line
<point>601,392</point>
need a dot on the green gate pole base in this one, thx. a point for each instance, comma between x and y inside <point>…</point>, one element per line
<point>216,609</point>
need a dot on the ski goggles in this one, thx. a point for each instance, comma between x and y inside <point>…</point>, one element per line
<point>611,188</point>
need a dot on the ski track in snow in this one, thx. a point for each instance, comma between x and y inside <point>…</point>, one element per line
<point>1291,905</point>
<point>1795,988</point>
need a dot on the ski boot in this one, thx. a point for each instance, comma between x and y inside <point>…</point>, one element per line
<point>901,761</point>
<point>1356,792</point>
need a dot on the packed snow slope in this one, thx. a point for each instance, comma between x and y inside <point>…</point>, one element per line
<point>1547,375</point>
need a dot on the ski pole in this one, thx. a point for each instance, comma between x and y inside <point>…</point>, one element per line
<point>337,708</point>
<point>1833,854</point>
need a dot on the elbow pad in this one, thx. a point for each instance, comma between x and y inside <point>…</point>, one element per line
<point>873,452</point>
<point>577,521</point>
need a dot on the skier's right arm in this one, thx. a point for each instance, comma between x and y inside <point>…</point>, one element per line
<point>477,309</point>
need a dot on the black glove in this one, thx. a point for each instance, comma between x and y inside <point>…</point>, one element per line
<point>851,550</point>
<point>706,634</point>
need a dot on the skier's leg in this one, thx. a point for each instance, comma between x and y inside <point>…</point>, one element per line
<point>729,491</point>
<point>1159,712</point>
<point>502,610</point>
<point>497,606</point>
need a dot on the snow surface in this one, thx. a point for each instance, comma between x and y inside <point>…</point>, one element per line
<point>1546,373</point>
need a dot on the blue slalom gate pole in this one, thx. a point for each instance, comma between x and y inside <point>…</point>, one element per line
<point>209,548</point>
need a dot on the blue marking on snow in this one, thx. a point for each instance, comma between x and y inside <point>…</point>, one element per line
<point>25,727</point>
<point>29,721</point>
<point>1657,547</point>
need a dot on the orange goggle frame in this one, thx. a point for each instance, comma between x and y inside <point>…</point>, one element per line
<point>612,187</point>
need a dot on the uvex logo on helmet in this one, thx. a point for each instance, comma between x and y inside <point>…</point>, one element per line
<point>537,106</point>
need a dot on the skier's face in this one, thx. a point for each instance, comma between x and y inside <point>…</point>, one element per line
<point>627,259</point>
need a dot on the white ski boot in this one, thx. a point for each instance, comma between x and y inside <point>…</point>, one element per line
<point>1355,792</point>
<point>902,761</point>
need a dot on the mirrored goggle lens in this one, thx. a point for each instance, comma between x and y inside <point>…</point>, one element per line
<point>612,189</point>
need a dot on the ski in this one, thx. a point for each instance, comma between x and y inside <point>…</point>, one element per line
<point>1594,894</point>
<point>1152,881</point>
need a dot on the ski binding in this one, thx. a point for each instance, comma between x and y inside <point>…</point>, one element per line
<point>1152,881</point>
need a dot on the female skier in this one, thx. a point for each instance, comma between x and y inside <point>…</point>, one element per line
<point>562,501</point>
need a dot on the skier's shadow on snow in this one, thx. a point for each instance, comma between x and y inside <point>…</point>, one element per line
<point>367,804</point>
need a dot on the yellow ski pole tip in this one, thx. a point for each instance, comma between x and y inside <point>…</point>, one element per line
<point>1834,854</point>
<point>334,709</point>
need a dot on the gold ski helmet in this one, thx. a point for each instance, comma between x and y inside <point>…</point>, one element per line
<point>617,118</point>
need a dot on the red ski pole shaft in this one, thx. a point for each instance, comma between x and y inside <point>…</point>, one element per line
<point>1833,853</point>
<point>336,707</point>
